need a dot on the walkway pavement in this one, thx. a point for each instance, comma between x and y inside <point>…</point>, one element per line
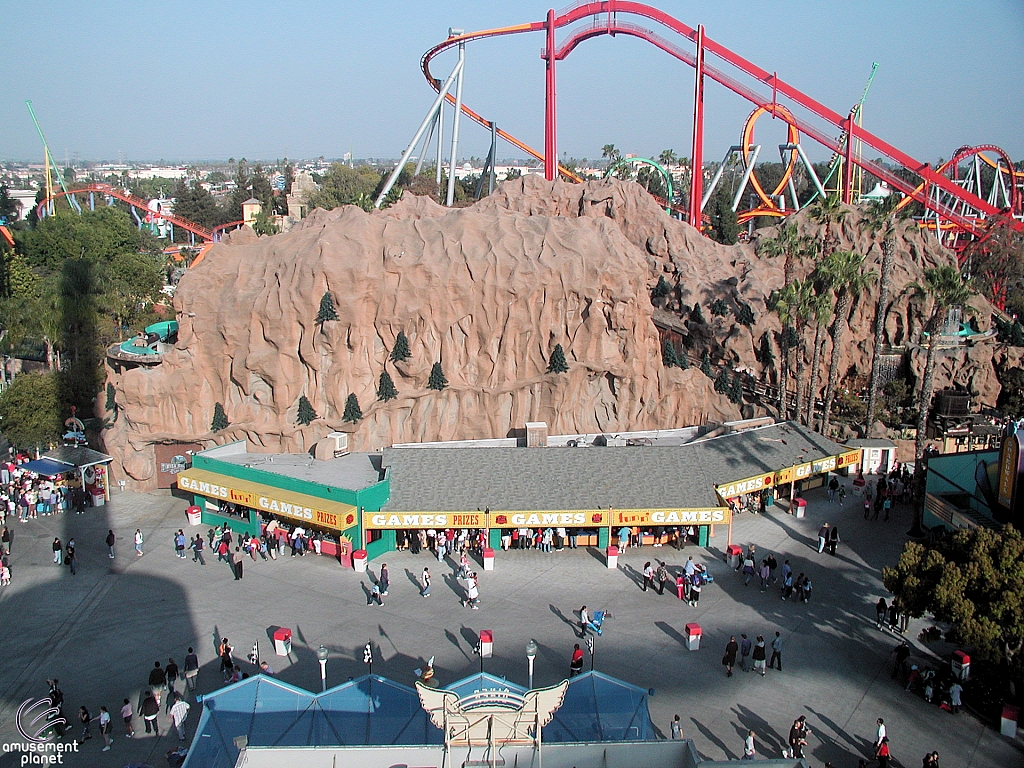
<point>101,630</point>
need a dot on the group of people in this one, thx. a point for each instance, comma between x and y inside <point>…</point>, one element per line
<point>798,587</point>
<point>689,580</point>
<point>25,495</point>
<point>659,536</point>
<point>465,575</point>
<point>828,538</point>
<point>886,493</point>
<point>443,542</point>
<point>752,654</point>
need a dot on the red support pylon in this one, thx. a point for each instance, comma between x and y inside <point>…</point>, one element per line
<point>697,156</point>
<point>550,150</point>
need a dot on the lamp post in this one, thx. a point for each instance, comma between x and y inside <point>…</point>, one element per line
<point>321,655</point>
<point>531,654</point>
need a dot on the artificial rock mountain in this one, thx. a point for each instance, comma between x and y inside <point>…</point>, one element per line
<point>487,291</point>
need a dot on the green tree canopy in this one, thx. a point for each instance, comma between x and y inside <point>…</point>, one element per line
<point>705,364</point>
<point>306,415</point>
<point>30,411</point>
<point>557,362</point>
<point>669,356</point>
<point>353,412</point>
<point>220,419</point>
<point>386,388</point>
<point>400,351</point>
<point>130,283</point>
<point>94,235</point>
<point>973,579</point>
<point>437,380</point>
<point>342,185</point>
<point>327,310</point>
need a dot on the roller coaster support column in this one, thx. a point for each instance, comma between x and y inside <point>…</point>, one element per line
<point>697,156</point>
<point>434,111</point>
<point>440,148</point>
<point>550,153</point>
<point>848,161</point>
<point>455,126</point>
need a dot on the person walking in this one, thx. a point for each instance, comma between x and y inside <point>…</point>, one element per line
<point>85,720</point>
<point>729,659</point>
<point>171,672</point>
<point>6,537</point>
<point>833,540</point>
<point>150,710</point>
<point>236,563</point>
<point>880,734</point>
<point>198,545</point>
<point>179,544</point>
<point>745,646</point>
<point>902,653</point>
<point>648,574</point>
<point>385,578</point>
<point>58,550</point>
<point>680,585</point>
<point>758,655</point>
<point>833,486</point>
<point>663,577</point>
<point>677,729</point>
<point>157,680</point>
<point>472,592</point>
<point>776,652</point>
<point>126,715</point>
<point>695,588</point>
<point>576,663</point>
<point>179,713</point>
<point>70,557</point>
<point>749,748</point>
<point>584,621</point>
<point>105,728</point>
<point>748,569</point>
<point>111,538</point>
<point>823,537</point>
<point>882,753</point>
<point>374,596</point>
<point>881,609</point>
<point>765,574</point>
<point>425,583</point>
<point>138,542</point>
<point>798,737</point>
<point>191,669</point>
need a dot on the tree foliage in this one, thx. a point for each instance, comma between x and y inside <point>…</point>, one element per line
<point>400,351</point>
<point>327,310</point>
<point>353,412</point>
<point>973,579</point>
<point>745,315</point>
<point>306,414</point>
<point>342,185</point>
<point>724,228</point>
<point>736,389</point>
<point>437,380</point>
<point>220,419</point>
<point>557,362</point>
<point>1011,397</point>
<point>386,388</point>
<point>696,315</point>
<point>705,364</point>
<point>662,289</point>
<point>719,308</point>
<point>722,382</point>
<point>30,411</point>
<point>669,356</point>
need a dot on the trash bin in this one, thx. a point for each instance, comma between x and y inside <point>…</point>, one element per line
<point>283,641</point>
<point>359,560</point>
<point>799,507</point>
<point>693,633</point>
<point>733,553</point>
<point>486,643</point>
<point>98,499</point>
<point>194,515</point>
<point>488,559</point>
<point>961,664</point>
<point>1008,722</point>
<point>613,556</point>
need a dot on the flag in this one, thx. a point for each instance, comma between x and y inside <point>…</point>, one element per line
<point>368,653</point>
<point>590,644</point>
<point>254,656</point>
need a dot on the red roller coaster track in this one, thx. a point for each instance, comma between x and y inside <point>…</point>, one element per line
<point>209,235</point>
<point>605,22</point>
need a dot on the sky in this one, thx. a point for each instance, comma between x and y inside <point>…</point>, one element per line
<point>196,80</point>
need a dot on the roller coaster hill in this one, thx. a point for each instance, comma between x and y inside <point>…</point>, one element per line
<point>962,201</point>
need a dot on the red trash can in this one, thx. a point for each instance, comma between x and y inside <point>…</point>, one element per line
<point>283,641</point>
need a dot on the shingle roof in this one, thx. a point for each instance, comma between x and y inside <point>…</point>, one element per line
<point>633,477</point>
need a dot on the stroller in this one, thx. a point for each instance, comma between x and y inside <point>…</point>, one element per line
<point>598,619</point>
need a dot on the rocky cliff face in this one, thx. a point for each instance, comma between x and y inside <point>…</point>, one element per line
<point>487,291</point>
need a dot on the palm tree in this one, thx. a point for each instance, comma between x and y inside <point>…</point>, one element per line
<point>793,305</point>
<point>791,245</point>
<point>820,308</point>
<point>611,154</point>
<point>668,158</point>
<point>843,272</point>
<point>946,286</point>
<point>881,220</point>
<point>826,212</point>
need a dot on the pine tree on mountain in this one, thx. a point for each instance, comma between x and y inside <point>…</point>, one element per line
<point>736,389</point>
<point>386,388</point>
<point>722,382</point>
<point>400,351</point>
<point>306,414</point>
<point>220,419</point>
<point>669,358</point>
<point>437,380</point>
<point>557,362</point>
<point>327,311</point>
<point>705,364</point>
<point>353,412</point>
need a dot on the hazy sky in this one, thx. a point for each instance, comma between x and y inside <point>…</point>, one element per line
<point>192,80</point>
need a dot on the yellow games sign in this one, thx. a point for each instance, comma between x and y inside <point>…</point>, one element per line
<point>580,518</point>
<point>750,485</point>
<point>424,520</point>
<point>706,516</point>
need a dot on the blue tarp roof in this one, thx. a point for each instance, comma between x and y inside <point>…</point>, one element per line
<point>373,710</point>
<point>269,712</point>
<point>48,467</point>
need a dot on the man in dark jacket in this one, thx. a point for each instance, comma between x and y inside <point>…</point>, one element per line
<point>149,710</point>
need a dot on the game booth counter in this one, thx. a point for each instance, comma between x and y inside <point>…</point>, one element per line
<point>255,493</point>
<point>82,468</point>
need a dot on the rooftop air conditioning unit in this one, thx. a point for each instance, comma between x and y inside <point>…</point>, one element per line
<point>340,443</point>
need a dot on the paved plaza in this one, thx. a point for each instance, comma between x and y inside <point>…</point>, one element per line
<point>101,630</point>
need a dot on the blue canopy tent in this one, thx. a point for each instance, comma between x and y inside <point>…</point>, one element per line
<point>48,467</point>
<point>598,707</point>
